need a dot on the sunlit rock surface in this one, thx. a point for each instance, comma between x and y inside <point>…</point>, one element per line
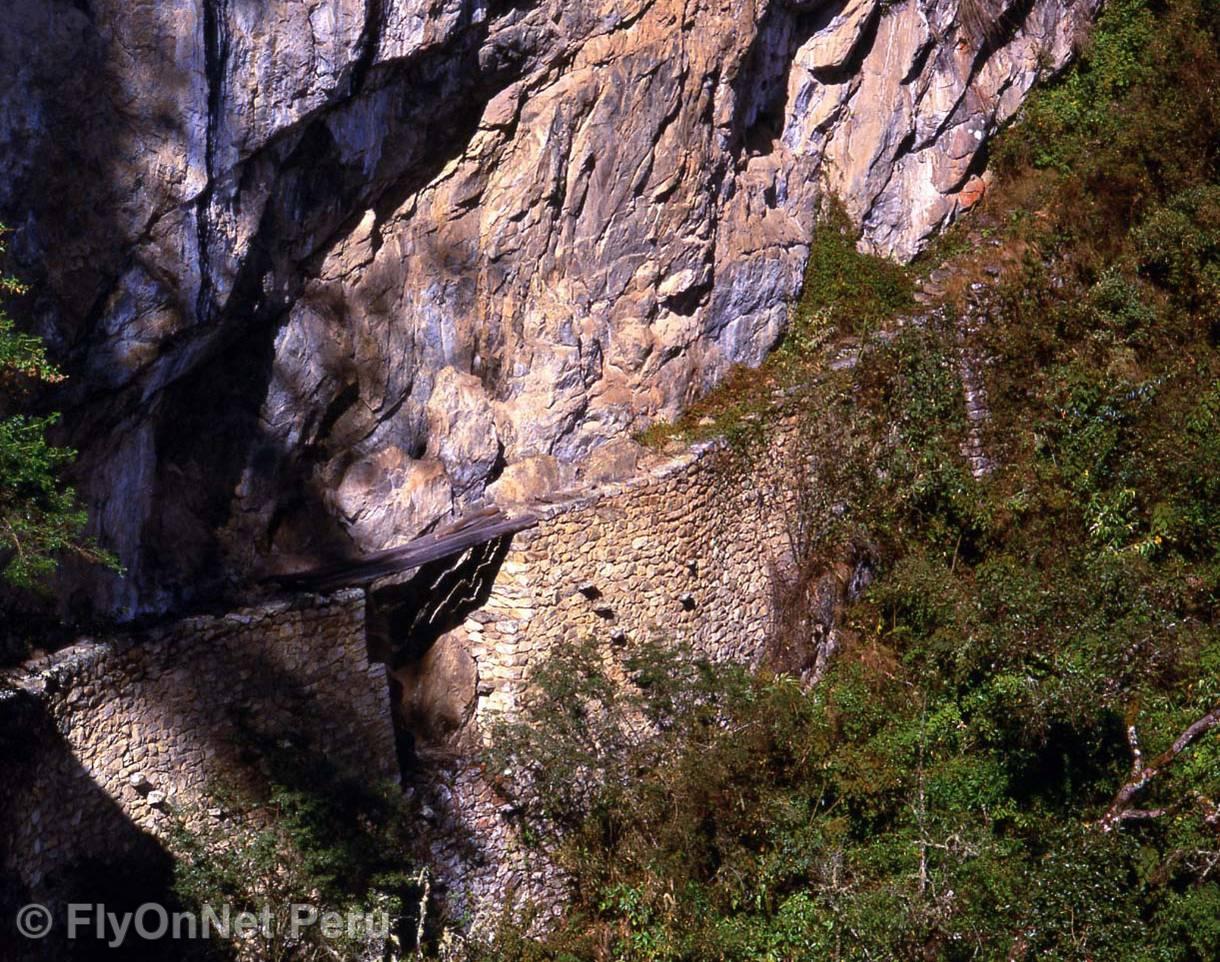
<point>323,270</point>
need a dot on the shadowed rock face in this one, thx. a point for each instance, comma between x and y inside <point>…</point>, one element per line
<point>323,269</point>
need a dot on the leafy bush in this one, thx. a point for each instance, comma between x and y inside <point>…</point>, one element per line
<point>845,290</point>
<point>1179,246</point>
<point>309,836</point>
<point>582,735</point>
<point>957,786</point>
<point>40,519</point>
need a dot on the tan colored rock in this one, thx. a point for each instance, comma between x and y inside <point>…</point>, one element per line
<point>614,461</point>
<point>462,430</point>
<point>833,45</point>
<point>438,692</point>
<point>384,500</point>
<point>526,481</point>
<point>279,238</point>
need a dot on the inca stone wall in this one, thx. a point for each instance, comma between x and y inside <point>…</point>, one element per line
<point>100,739</point>
<point>687,550</point>
<point>110,735</point>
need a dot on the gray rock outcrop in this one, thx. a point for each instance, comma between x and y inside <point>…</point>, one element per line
<point>321,270</point>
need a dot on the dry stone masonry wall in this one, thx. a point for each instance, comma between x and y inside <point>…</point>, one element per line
<point>100,739</point>
<point>687,551</point>
<point>104,737</point>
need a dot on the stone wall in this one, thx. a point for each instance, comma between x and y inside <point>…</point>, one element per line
<point>100,739</point>
<point>687,550</point>
<point>111,734</point>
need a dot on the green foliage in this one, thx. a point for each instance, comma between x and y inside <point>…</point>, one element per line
<point>582,736</point>
<point>1080,110</point>
<point>39,516</point>
<point>942,793</point>
<point>40,519</point>
<point>305,836</point>
<point>845,294</point>
<point>1179,246</point>
<point>871,819</point>
<point>1121,307</point>
<point>845,290</point>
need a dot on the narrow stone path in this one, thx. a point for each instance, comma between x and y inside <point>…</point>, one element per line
<point>970,364</point>
<point>972,317</point>
<point>961,288</point>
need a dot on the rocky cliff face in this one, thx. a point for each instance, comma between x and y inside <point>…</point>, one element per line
<point>323,268</point>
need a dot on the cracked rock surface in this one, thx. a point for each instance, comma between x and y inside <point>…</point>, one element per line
<point>322,270</point>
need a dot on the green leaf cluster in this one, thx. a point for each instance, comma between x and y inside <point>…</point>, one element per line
<point>40,517</point>
<point>305,834</point>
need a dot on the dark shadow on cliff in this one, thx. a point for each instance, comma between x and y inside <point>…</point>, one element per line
<point>761,85</point>
<point>203,388</point>
<point>405,619</point>
<point>432,714</point>
<point>61,197</point>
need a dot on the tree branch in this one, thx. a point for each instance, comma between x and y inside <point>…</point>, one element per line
<point>1142,774</point>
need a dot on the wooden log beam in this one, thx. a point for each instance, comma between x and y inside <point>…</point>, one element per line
<point>466,532</point>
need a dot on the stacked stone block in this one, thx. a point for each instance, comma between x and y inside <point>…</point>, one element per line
<point>104,739</point>
<point>687,551</point>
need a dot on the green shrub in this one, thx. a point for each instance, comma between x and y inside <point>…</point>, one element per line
<point>941,793</point>
<point>1178,245</point>
<point>40,518</point>
<point>304,835</point>
<point>845,290</point>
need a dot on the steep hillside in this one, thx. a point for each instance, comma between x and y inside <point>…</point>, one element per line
<point>1012,751</point>
<point>322,271</point>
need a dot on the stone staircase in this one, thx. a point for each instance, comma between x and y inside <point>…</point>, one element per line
<point>973,315</point>
<point>962,289</point>
<point>970,366</point>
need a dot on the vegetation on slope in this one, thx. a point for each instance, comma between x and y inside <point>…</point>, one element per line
<point>847,296</point>
<point>1015,754</point>
<point>322,860</point>
<point>40,519</point>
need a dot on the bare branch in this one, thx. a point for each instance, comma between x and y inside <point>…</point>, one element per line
<point>1142,774</point>
<point>1136,814</point>
<point>1191,734</point>
<point>1137,756</point>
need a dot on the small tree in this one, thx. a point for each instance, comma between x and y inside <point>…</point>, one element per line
<point>296,839</point>
<point>40,518</point>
